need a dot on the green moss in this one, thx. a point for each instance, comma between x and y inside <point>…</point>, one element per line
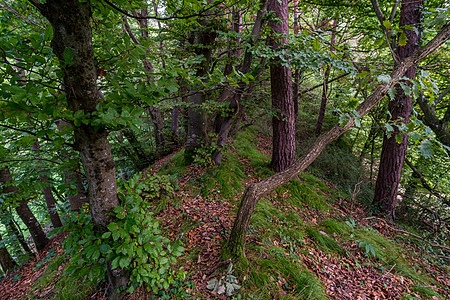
<point>325,242</point>
<point>246,148</point>
<point>331,226</point>
<point>175,166</point>
<point>308,192</point>
<point>278,274</point>
<point>426,292</point>
<point>64,286</point>
<point>223,180</point>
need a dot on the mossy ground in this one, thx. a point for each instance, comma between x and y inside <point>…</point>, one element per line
<point>296,234</point>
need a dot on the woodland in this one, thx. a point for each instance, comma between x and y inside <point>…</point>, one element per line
<point>217,149</point>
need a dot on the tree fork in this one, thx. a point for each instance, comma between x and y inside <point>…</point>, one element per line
<point>255,191</point>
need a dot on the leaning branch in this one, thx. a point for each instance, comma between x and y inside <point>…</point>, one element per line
<point>254,192</point>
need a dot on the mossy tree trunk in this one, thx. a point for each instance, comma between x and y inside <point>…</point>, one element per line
<point>72,34</point>
<point>254,192</point>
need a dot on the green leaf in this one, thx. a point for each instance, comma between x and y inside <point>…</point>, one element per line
<point>403,39</point>
<point>48,34</point>
<point>386,78</point>
<point>68,55</point>
<point>387,24</point>
<point>426,149</point>
<point>398,138</point>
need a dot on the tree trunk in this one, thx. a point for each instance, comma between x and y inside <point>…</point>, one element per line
<point>70,20</point>
<point>296,71</point>
<point>393,153</point>
<point>72,176</point>
<point>323,103</point>
<point>197,119</point>
<point>237,92</point>
<point>255,191</point>
<point>48,194</point>
<point>11,227</point>
<point>24,212</point>
<point>143,160</point>
<point>283,123</point>
<point>6,261</point>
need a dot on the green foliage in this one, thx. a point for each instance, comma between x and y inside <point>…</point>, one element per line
<point>133,242</point>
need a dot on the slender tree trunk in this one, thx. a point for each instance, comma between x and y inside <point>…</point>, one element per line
<point>254,192</point>
<point>48,194</point>
<point>393,153</point>
<point>143,160</point>
<point>72,176</point>
<point>236,92</point>
<point>70,20</point>
<point>6,261</point>
<point>283,123</point>
<point>19,236</point>
<point>197,118</point>
<point>324,101</point>
<point>296,71</point>
<point>24,212</point>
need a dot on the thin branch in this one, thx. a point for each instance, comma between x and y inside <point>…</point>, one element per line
<point>200,14</point>
<point>394,11</point>
<point>32,159</point>
<point>321,84</point>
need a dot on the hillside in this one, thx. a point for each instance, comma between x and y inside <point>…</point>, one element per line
<point>307,240</point>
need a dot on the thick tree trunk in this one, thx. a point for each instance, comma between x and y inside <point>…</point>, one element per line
<point>197,118</point>
<point>48,194</point>
<point>72,34</point>
<point>6,261</point>
<point>24,212</point>
<point>283,123</point>
<point>254,192</point>
<point>393,153</point>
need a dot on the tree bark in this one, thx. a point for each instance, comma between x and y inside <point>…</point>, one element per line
<point>323,103</point>
<point>296,71</point>
<point>11,227</point>
<point>393,153</point>
<point>254,192</point>
<point>283,123</point>
<point>237,92</point>
<point>24,212</point>
<point>48,194</point>
<point>6,261</point>
<point>143,160</point>
<point>72,34</point>
<point>197,118</point>
<point>72,176</point>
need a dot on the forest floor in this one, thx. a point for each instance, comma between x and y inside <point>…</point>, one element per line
<point>307,241</point>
